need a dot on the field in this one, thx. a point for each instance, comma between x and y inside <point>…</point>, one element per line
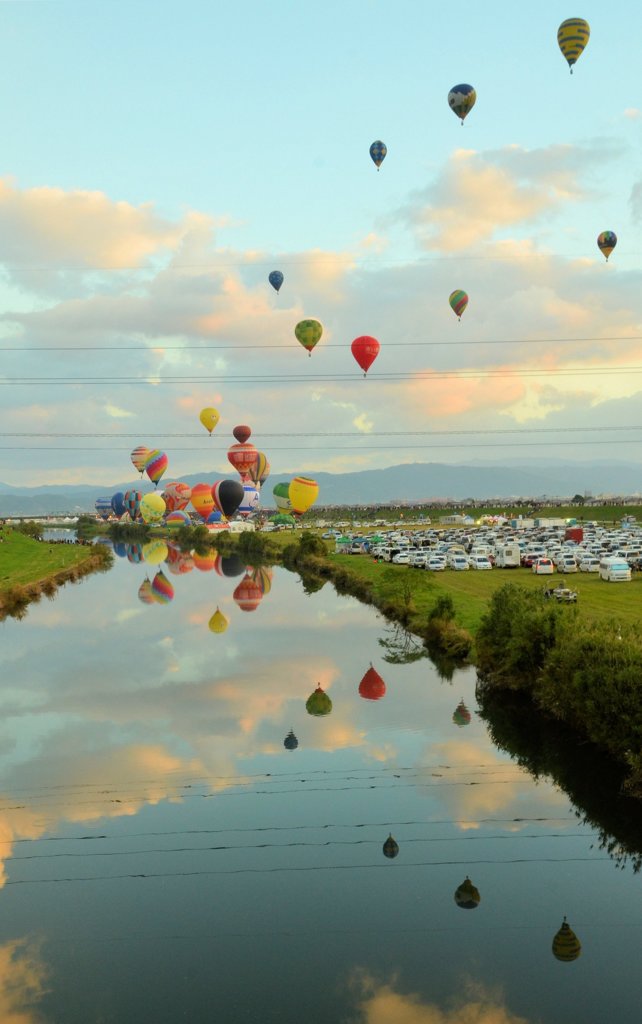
<point>24,561</point>
<point>471,591</point>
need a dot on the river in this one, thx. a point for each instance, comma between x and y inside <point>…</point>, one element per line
<point>165,857</point>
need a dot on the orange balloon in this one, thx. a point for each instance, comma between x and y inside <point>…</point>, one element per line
<point>202,500</point>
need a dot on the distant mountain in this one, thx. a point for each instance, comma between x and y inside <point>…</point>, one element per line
<point>410,482</point>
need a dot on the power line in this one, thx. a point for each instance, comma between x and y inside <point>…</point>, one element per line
<point>333,433</point>
<point>336,448</point>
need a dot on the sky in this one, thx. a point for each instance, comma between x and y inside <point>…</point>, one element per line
<point>160,159</point>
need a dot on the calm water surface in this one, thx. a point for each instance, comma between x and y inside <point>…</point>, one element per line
<point>166,858</point>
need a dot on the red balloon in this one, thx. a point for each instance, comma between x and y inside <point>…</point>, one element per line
<point>365,350</point>
<point>372,686</point>
<point>242,432</point>
<point>242,457</point>
<point>248,594</point>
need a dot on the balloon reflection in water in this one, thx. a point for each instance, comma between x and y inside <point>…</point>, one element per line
<point>263,579</point>
<point>461,715</point>
<point>145,593</point>
<point>248,594</point>
<point>218,623</point>
<point>467,896</point>
<point>162,589</point>
<point>566,945</point>
<point>318,703</point>
<point>290,742</point>
<point>206,562</point>
<point>134,553</point>
<point>179,562</point>
<point>120,549</point>
<point>155,552</point>
<point>372,686</point>
<point>229,565</point>
<point>390,848</point>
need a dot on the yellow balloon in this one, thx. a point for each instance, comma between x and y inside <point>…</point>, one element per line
<point>303,493</point>
<point>209,418</point>
<point>218,623</point>
<point>152,508</point>
<point>155,552</point>
<point>572,36</point>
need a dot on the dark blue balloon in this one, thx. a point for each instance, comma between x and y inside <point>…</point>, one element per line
<point>120,549</point>
<point>378,152</point>
<point>214,517</point>
<point>276,279</point>
<point>118,504</point>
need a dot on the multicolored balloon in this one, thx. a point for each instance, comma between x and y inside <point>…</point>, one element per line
<point>139,457</point>
<point>175,520</point>
<point>209,417</point>
<point>132,503</point>
<point>248,594</point>
<point>176,496</point>
<point>162,589</point>
<point>145,593</point>
<point>242,457</point>
<point>390,847</point>
<point>461,100</point>
<point>275,277</point>
<point>566,945</point>
<point>572,36</point>
<point>308,333</point>
<point>227,495</point>
<point>303,492</point>
<point>378,151</point>
<point>251,500</point>
<point>103,507</point>
<point>281,494</point>
<point>318,703</point>
<point>365,350</point>
<point>156,465</point>
<point>134,553</point>
<point>461,715</point>
<point>606,242</point>
<point>202,500</point>
<point>458,301</point>
<point>204,563</point>
<point>259,471</point>
<point>152,508</point>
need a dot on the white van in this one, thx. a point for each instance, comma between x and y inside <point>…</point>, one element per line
<point>615,570</point>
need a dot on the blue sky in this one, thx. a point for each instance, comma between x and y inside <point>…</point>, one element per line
<point>160,159</point>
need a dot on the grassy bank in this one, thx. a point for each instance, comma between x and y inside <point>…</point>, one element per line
<point>30,568</point>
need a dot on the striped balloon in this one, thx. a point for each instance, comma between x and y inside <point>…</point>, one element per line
<point>132,501</point>
<point>572,36</point>
<point>162,589</point>
<point>566,945</point>
<point>177,519</point>
<point>156,465</point>
<point>103,507</point>
<point>458,301</point>
<point>139,457</point>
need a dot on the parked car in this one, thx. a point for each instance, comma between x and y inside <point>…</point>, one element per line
<point>458,562</point>
<point>566,564</point>
<point>543,566</point>
<point>589,564</point>
<point>401,558</point>
<point>479,562</point>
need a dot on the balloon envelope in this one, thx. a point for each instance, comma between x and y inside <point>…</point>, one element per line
<point>458,301</point>
<point>308,333</point>
<point>134,553</point>
<point>606,242</point>
<point>202,500</point>
<point>276,279</point>
<point>318,703</point>
<point>572,36</point>
<point>132,501</point>
<point>118,504</point>
<point>281,494</point>
<point>378,151</point>
<point>209,417</point>
<point>204,563</point>
<point>227,495</point>
<point>176,496</point>
<point>145,593</point>
<point>259,471</point>
<point>156,465</point>
<point>390,847</point>
<point>218,623</point>
<point>372,686</point>
<point>461,100</point>
<point>162,589</point>
<point>242,432</point>
<point>103,507</point>
<point>467,896</point>
<point>177,519</point>
<point>365,350</point>
<point>248,594</point>
<point>461,715</point>
<point>290,742</point>
<point>139,457</point>
<point>242,457</point>
<point>566,945</point>
<point>152,508</point>
<point>251,499</point>
<point>155,552</point>
<point>303,492</point>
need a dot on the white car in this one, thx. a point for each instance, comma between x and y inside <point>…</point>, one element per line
<point>458,562</point>
<point>479,562</point>
<point>589,565</point>
<point>401,558</point>
<point>434,564</point>
<point>566,564</point>
<point>543,567</point>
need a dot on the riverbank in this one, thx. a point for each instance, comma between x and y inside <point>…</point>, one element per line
<point>31,568</point>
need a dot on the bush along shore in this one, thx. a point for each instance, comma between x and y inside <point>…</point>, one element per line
<point>583,673</point>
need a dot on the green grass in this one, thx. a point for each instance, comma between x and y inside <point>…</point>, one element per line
<point>24,561</point>
<point>471,591</point>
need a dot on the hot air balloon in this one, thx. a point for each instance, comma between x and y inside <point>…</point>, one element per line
<point>177,519</point>
<point>365,350</point>
<point>242,457</point>
<point>290,742</point>
<point>134,553</point>
<point>202,500</point>
<point>566,945</point>
<point>209,417</point>
<point>606,242</point>
<point>179,562</point>
<point>162,589</point>
<point>308,333</point>
<point>155,551</point>
<point>318,703</point>
<point>248,594</point>
<point>251,499</point>
<point>176,496</point>
<point>120,549</point>
<point>132,503</point>
<point>259,471</point>
<point>467,896</point>
<point>139,457</point>
<point>281,494</point>
<point>458,301</point>
<point>103,507</point>
<point>227,496</point>
<point>372,686</point>
<point>214,517</point>
<point>156,465</point>
<point>145,593</point>
<point>262,576</point>
<point>378,152</point>
<point>218,623</point>
<point>118,506</point>
<point>572,36</point>
<point>242,433</point>
<point>390,848</point>
<point>152,508</point>
<point>303,493</point>
<point>229,566</point>
<point>461,715</point>
<point>204,563</point>
<point>275,277</point>
<point>461,100</point>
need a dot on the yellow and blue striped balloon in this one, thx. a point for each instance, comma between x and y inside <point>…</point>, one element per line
<point>572,36</point>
